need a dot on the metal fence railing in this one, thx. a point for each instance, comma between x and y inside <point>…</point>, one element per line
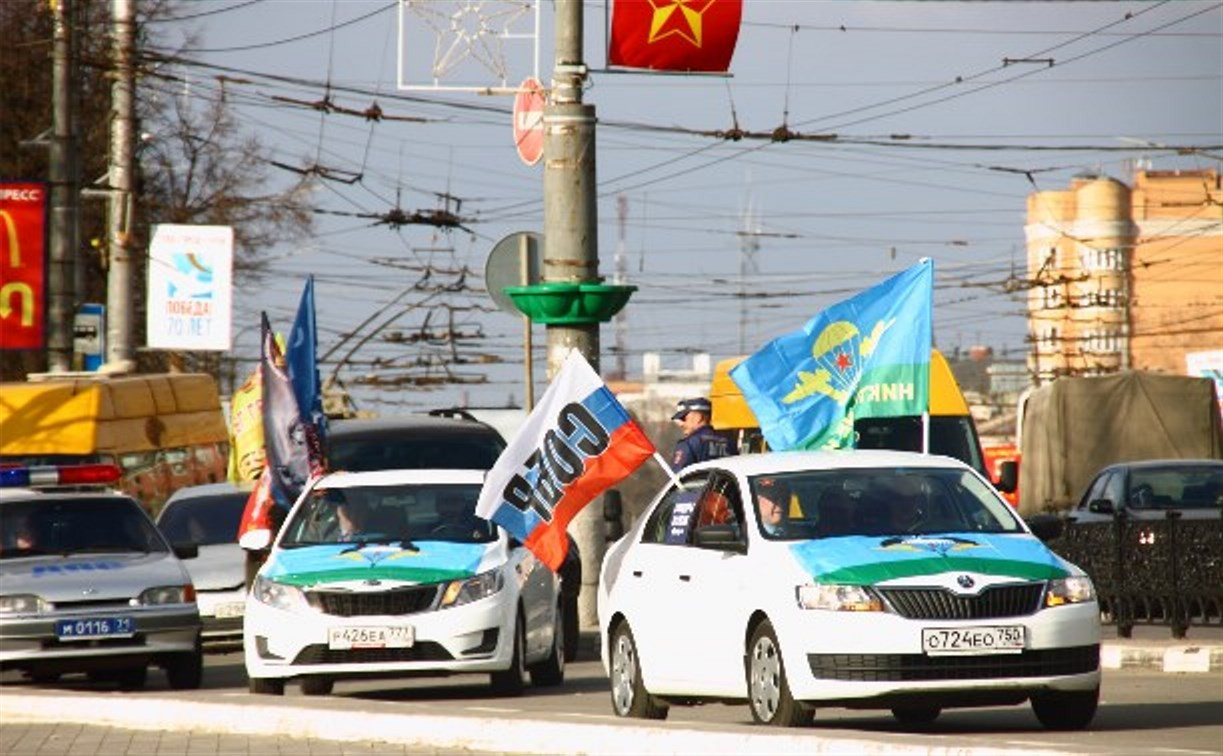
<point>1159,572</point>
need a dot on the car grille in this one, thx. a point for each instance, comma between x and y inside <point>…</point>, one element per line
<point>319,653</point>
<point>910,667</point>
<point>941,604</point>
<point>392,602</point>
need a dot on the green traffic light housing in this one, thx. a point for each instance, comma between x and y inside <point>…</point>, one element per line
<point>570,303</point>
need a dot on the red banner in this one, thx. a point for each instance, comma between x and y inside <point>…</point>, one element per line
<point>674,35</point>
<point>23,265</point>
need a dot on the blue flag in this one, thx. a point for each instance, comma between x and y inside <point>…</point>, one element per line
<point>868,356</point>
<point>301,362</point>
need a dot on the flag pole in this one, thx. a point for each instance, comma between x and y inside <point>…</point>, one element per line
<point>663,464</point>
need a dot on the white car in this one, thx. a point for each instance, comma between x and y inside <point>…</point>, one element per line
<point>877,580</point>
<point>420,586</point>
<point>208,516</point>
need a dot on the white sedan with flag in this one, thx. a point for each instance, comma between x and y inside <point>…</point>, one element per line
<point>867,579</point>
<point>391,572</point>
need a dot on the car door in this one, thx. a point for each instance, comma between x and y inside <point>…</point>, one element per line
<point>646,584</point>
<point>710,590</point>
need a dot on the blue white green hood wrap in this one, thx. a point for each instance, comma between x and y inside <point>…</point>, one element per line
<point>869,560</point>
<point>422,562</point>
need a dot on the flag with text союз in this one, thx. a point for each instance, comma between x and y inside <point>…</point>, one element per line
<point>577,442</point>
<point>674,35</point>
<point>867,356</point>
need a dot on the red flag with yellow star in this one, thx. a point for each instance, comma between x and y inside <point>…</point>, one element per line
<point>674,35</point>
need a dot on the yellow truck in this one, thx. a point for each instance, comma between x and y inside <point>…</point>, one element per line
<point>164,431</point>
<point>952,431</point>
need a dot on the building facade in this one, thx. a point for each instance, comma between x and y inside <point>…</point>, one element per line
<point>1124,277</point>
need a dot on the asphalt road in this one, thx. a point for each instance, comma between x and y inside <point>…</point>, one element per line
<point>1142,711</point>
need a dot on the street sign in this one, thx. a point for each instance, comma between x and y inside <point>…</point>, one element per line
<point>506,267</point>
<point>529,120</point>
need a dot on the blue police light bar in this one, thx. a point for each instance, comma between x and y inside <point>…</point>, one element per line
<point>42,476</point>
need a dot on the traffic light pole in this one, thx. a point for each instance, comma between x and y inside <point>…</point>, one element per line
<point>571,252</point>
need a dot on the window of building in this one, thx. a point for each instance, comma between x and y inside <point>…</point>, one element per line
<point>1102,259</point>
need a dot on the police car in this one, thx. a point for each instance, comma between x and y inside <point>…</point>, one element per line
<point>88,584</point>
<point>868,579</point>
<point>385,573</point>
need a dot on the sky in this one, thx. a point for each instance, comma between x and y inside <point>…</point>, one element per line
<point>947,116</point>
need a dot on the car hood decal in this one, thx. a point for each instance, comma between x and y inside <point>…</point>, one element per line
<point>91,577</point>
<point>429,562</point>
<point>866,560</point>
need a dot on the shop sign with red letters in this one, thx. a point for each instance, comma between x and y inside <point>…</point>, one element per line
<point>23,264</point>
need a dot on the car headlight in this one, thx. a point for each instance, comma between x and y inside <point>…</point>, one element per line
<point>472,589</point>
<point>279,595</point>
<point>22,603</point>
<point>838,598</point>
<point>1070,590</point>
<point>167,594</point>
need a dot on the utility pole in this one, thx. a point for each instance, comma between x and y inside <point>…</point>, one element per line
<point>64,226</point>
<point>120,270</point>
<point>571,252</point>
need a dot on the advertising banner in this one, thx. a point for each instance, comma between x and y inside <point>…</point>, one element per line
<point>23,265</point>
<point>190,287</point>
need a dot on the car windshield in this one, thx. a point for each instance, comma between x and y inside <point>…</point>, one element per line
<point>204,520</point>
<point>1181,487</point>
<point>50,525</point>
<point>403,514</point>
<point>877,502</point>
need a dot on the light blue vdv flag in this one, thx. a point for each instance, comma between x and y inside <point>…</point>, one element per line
<point>868,356</point>
<point>301,362</point>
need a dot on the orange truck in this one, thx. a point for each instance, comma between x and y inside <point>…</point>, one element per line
<point>164,431</point>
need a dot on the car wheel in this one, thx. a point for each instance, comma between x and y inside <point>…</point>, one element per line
<point>551,671</point>
<point>508,682</point>
<point>628,693</point>
<point>266,686</point>
<point>768,692</point>
<point>185,671</point>
<point>916,716</point>
<point>1066,710</point>
<point>317,686</point>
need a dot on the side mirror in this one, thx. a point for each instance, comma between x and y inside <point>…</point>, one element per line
<point>719,538</point>
<point>1101,506</point>
<point>1046,527</point>
<point>186,550</point>
<point>1008,476</point>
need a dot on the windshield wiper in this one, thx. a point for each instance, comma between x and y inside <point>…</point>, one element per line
<point>106,548</point>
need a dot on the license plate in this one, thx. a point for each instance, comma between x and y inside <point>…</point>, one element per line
<point>998,639</point>
<point>94,627</point>
<point>229,609</point>
<point>341,638</point>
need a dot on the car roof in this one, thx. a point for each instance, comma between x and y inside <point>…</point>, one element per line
<point>35,494</point>
<point>1146,464</point>
<point>407,423</point>
<point>792,461</point>
<point>208,489</point>
<point>345,479</point>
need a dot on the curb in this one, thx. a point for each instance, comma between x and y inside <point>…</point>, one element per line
<point>526,736</point>
<point>1181,658</point>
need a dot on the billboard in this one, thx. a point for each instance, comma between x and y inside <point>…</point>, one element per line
<point>23,264</point>
<point>190,287</point>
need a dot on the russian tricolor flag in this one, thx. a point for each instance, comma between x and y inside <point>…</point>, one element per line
<point>578,442</point>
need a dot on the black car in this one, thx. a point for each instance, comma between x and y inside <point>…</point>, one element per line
<point>1148,490</point>
<point>441,439</point>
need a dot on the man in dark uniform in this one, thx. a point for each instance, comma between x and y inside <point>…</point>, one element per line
<point>700,441</point>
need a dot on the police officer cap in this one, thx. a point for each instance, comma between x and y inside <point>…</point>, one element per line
<point>699,404</point>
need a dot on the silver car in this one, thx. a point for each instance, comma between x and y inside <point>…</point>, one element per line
<point>208,517</point>
<point>88,584</point>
